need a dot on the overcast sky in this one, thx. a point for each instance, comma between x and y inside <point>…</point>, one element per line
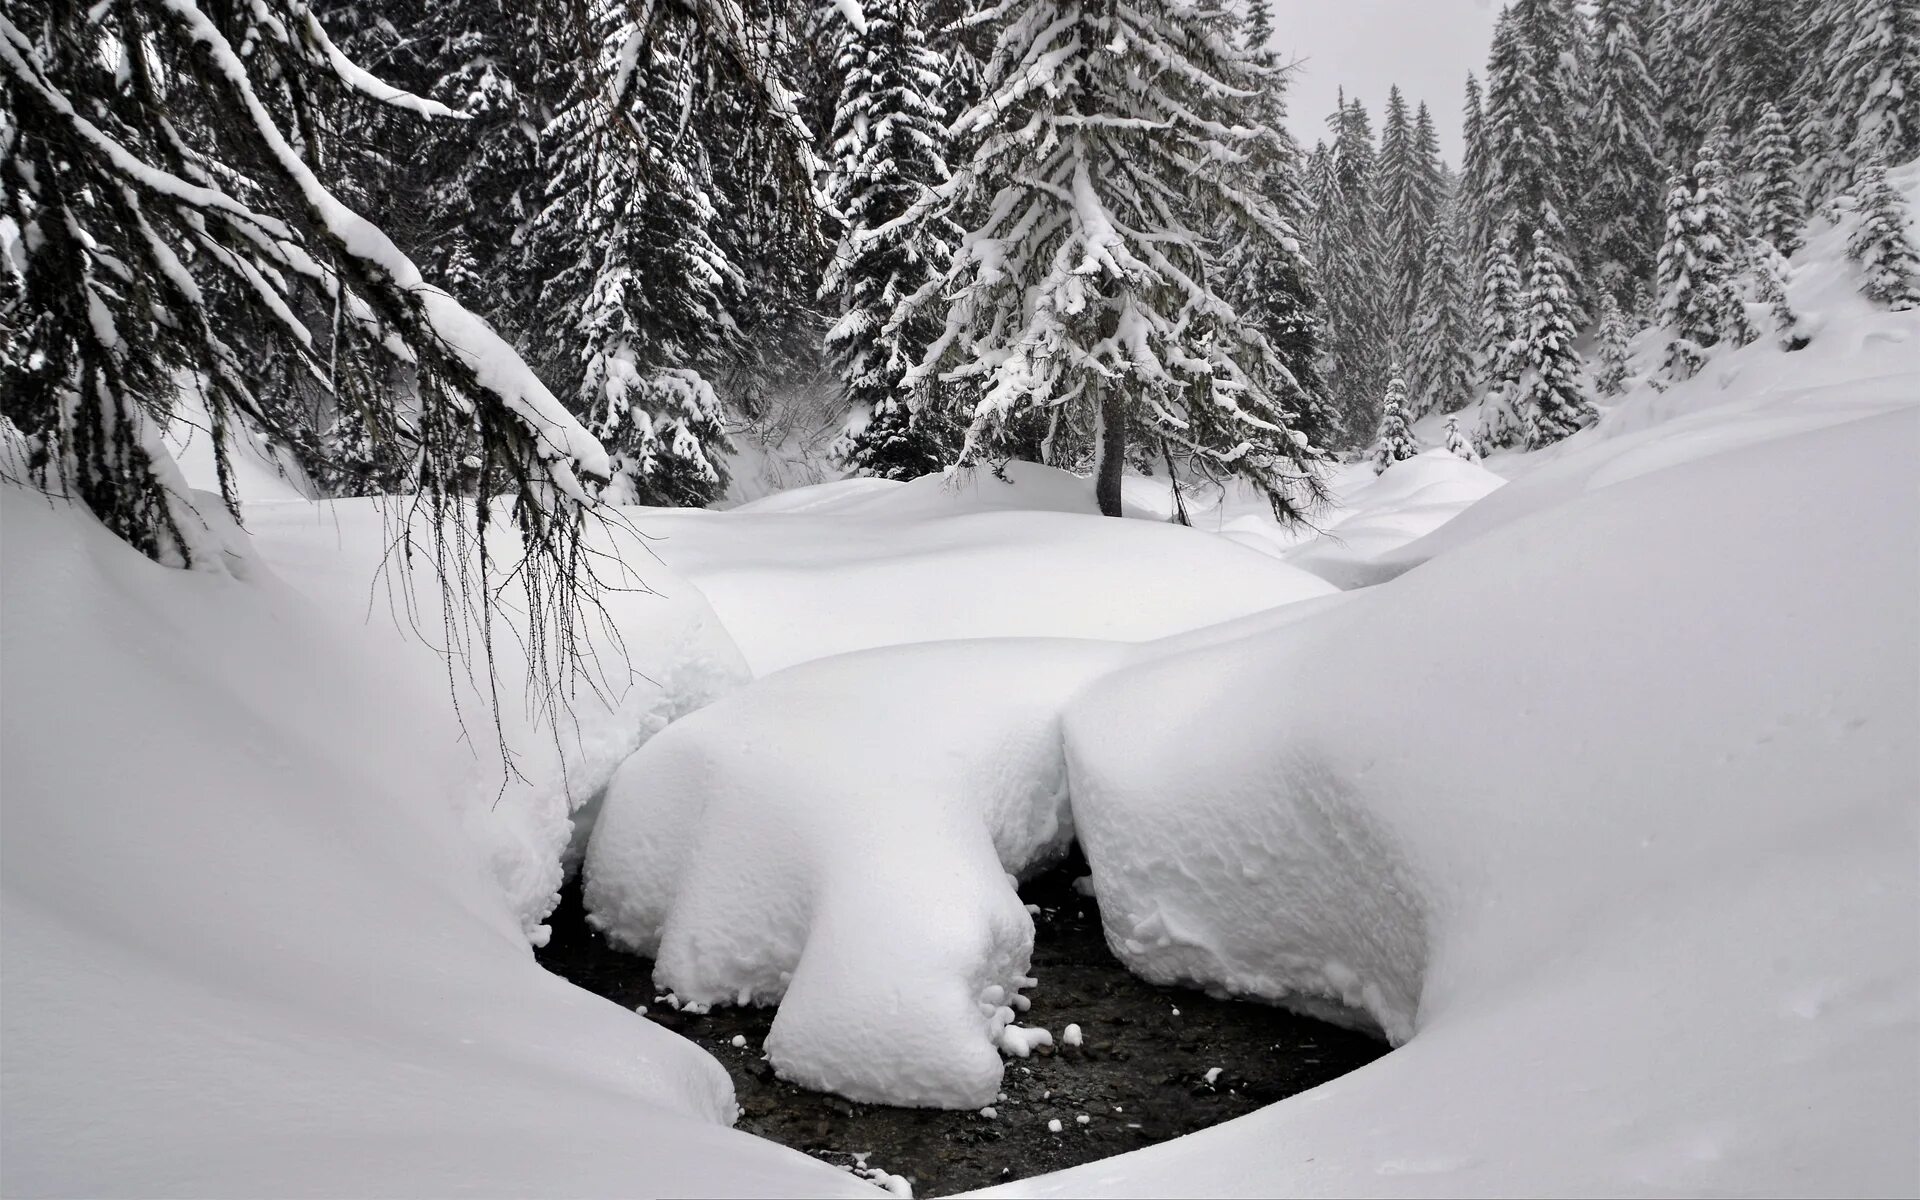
<point>1425,46</point>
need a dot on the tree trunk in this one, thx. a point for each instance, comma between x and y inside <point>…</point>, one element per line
<point>1113,452</point>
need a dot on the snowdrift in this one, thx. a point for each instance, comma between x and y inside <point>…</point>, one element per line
<point>249,948</point>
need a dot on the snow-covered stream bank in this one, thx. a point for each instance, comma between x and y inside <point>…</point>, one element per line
<point>1144,1064</point>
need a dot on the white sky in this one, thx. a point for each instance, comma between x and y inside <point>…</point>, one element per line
<point>1425,46</point>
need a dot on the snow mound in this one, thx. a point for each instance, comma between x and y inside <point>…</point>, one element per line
<point>1623,845</point>
<point>654,652</point>
<point>245,948</point>
<point>840,839</point>
<point>791,587</point>
<point>1411,499</point>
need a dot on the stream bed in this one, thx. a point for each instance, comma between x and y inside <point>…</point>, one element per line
<point>1145,1073</point>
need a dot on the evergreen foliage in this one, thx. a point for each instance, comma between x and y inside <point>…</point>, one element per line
<point>1474,190</point>
<point>1410,187</point>
<point>1501,342</point>
<point>1111,144</point>
<point>1553,404</point>
<point>1610,379</point>
<point>1457,443</point>
<point>1441,358</point>
<point>1774,213</point>
<point>1881,243</point>
<point>888,152</point>
<point>174,218</point>
<point>1347,250</point>
<point>1395,442</point>
<point>1700,303</point>
<point>1623,136</point>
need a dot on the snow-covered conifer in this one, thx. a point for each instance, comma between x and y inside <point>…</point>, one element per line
<point>1347,252</point>
<point>1500,345</point>
<point>1112,148</point>
<point>1409,186</point>
<point>1773,213</point>
<point>1473,191</point>
<point>1882,243</point>
<point>1530,122</point>
<point>888,151</point>
<point>1457,443</point>
<point>640,305</point>
<point>1440,360</point>
<point>1700,304</point>
<point>1768,269</point>
<point>1552,401</point>
<point>169,173</point>
<point>1623,136</point>
<point>1395,442</point>
<point>1610,378</point>
<point>1862,98</point>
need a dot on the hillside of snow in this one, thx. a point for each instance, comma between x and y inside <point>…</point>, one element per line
<point>1587,776</point>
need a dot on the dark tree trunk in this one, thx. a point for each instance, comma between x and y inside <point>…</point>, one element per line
<point>1113,452</point>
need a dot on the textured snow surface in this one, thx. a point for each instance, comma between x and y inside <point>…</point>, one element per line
<point>854,566</point>
<point>847,850</point>
<point>247,949</point>
<point>1658,934</point>
<point>657,652</point>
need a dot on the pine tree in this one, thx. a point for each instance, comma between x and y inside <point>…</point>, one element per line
<point>1346,248</point>
<point>1530,119</point>
<point>1774,213</point>
<point>887,153</point>
<point>1270,283</point>
<point>1409,184</point>
<point>1700,304</point>
<point>1880,242</point>
<point>1611,378</point>
<point>1624,127</point>
<point>1502,337</point>
<point>1457,443</point>
<point>1675,51</point>
<point>1747,60</point>
<point>1441,362</point>
<point>1395,442</point>
<point>1473,192</point>
<point>169,177</point>
<point>640,303</point>
<point>1863,89</point>
<point>1552,402</point>
<point>1769,271</point>
<point>1112,146</point>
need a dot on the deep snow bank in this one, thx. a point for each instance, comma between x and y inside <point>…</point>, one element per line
<point>653,650</point>
<point>840,838</point>
<point>246,947</point>
<point>859,567</point>
<point>1625,843</point>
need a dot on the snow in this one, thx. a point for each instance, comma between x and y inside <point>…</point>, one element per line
<point>247,947</point>
<point>1071,1036</point>
<point>803,841</point>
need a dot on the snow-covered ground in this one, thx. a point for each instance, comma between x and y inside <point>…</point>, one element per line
<point>1602,803</point>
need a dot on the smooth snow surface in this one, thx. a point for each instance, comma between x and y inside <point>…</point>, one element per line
<point>248,949</point>
<point>847,850</point>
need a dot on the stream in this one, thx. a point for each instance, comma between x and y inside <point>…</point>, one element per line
<point>1145,1073</point>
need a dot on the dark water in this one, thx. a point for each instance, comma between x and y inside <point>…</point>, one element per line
<point>1139,1079</point>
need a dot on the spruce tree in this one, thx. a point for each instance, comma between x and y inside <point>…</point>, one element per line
<point>1408,183</point>
<point>1700,305</point>
<point>1501,342</point>
<point>886,154</point>
<point>1530,121</point>
<point>1624,134</point>
<point>1746,48</point>
<point>1863,90</point>
<point>169,175</point>
<point>1473,192</point>
<point>1441,360</point>
<point>638,309</point>
<point>1112,146</point>
<point>1774,213</point>
<point>1346,241</point>
<point>1880,242</point>
<point>1457,443</point>
<point>1611,377</point>
<point>1769,271</point>
<point>1395,442</point>
<point>1552,402</point>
